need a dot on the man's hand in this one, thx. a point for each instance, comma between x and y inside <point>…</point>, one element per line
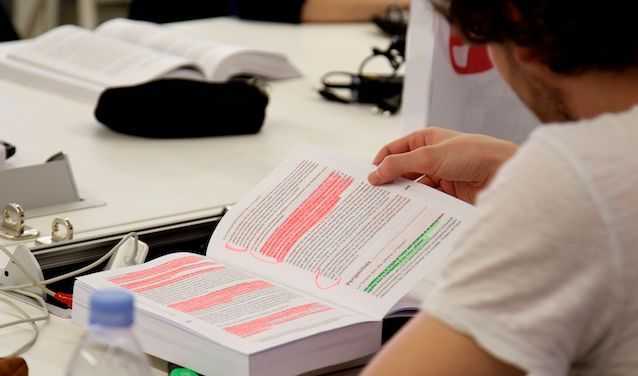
<point>458,164</point>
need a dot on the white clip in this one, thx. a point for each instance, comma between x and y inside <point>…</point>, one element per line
<point>13,227</point>
<point>13,275</point>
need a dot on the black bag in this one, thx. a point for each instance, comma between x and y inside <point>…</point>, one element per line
<point>174,108</point>
<point>7,31</point>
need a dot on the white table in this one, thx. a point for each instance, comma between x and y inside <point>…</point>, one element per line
<point>148,182</point>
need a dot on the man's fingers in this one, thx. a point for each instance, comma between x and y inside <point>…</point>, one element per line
<point>415,140</point>
<point>405,144</point>
<point>436,181</point>
<point>426,180</point>
<point>421,161</point>
<point>412,176</point>
<point>399,146</point>
<point>448,187</point>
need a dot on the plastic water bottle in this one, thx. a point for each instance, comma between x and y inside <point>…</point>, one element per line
<point>109,347</point>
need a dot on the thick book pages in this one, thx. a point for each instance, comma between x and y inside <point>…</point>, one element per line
<point>298,275</point>
<point>211,317</point>
<point>124,52</point>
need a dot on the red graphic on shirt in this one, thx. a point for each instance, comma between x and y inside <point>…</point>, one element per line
<point>478,59</point>
<point>315,208</point>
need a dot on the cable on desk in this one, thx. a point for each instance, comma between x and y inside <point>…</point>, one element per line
<point>8,292</point>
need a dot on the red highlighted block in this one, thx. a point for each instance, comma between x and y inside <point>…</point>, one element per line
<point>166,275</point>
<point>263,324</point>
<point>223,296</point>
<point>161,268</point>
<point>183,277</point>
<point>314,209</point>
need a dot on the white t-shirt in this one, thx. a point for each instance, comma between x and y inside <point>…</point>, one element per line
<point>547,279</point>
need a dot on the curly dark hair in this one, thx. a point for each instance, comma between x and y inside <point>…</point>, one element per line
<point>571,36</point>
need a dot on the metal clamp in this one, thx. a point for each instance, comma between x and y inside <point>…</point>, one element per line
<point>61,230</point>
<point>13,227</point>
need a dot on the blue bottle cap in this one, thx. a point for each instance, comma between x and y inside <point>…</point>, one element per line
<point>112,308</point>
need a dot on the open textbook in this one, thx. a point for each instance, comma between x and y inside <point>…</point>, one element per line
<point>123,52</point>
<point>298,276</point>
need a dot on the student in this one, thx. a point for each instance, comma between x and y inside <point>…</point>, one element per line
<point>544,283</point>
<point>292,11</point>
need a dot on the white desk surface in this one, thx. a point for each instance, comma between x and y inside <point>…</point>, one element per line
<point>156,181</point>
<point>151,181</point>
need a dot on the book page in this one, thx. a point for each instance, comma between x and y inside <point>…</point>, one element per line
<point>229,306</point>
<point>214,59</point>
<point>316,224</point>
<point>102,61</point>
<point>208,55</point>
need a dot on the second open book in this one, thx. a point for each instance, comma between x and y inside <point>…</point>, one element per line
<point>298,276</point>
<point>81,63</point>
